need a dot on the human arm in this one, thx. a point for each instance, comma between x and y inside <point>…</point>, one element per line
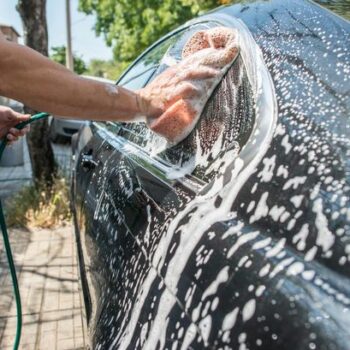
<point>42,84</point>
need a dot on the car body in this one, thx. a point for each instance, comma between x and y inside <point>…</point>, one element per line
<point>238,237</point>
<point>64,127</point>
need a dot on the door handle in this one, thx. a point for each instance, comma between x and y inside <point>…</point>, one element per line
<point>88,162</point>
<point>140,198</point>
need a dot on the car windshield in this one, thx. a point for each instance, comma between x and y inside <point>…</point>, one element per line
<point>340,7</point>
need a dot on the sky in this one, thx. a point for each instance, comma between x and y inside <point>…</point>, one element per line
<point>84,40</point>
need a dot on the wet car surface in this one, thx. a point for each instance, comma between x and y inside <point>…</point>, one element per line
<point>238,237</point>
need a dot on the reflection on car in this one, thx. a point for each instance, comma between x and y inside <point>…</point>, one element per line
<point>237,237</point>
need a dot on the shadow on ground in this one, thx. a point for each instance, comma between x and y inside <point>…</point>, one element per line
<point>47,272</point>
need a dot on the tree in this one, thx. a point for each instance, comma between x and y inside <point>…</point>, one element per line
<point>33,14</point>
<point>131,26</point>
<point>105,69</point>
<point>59,56</point>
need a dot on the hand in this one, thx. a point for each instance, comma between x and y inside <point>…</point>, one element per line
<point>178,81</point>
<point>174,100</point>
<point>204,54</point>
<point>173,84</point>
<point>8,119</point>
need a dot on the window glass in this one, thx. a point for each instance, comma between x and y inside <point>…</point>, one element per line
<point>223,128</point>
<point>174,52</point>
<point>162,56</point>
<point>144,68</point>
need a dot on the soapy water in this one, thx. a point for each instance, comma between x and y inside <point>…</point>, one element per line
<point>225,125</point>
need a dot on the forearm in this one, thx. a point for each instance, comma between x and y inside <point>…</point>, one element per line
<point>38,82</point>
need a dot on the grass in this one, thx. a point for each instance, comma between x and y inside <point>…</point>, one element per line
<point>40,206</point>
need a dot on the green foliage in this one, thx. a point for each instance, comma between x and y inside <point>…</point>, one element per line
<point>131,26</point>
<point>40,206</point>
<point>340,7</point>
<point>106,69</point>
<point>59,56</point>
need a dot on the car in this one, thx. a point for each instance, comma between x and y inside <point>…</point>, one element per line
<point>65,128</point>
<point>238,236</point>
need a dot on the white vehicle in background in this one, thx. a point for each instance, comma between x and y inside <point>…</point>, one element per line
<point>62,127</point>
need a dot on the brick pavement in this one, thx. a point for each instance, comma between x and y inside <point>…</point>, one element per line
<point>47,271</point>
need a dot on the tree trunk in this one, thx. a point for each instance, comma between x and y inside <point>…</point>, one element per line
<point>33,14</point>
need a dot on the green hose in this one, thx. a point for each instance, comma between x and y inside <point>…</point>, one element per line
<point>6,238</point>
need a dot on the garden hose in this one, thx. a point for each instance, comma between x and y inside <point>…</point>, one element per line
<point>6,238</point>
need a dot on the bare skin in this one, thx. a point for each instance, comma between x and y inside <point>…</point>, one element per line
<point>8,119</point>
<point>44,85</point>
<point>33,79</point>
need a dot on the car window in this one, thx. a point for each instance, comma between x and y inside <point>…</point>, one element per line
<point>150,66</point>
<point>138,75</point>
<point>223,128</point>
<point>225,124</point>
<point>143,69</point>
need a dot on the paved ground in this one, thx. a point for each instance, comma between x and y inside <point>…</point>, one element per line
<point>48,279</point>
<point>47,271</point>
<point>14,178</point>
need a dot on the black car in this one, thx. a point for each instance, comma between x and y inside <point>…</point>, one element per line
<point>238,237</point>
